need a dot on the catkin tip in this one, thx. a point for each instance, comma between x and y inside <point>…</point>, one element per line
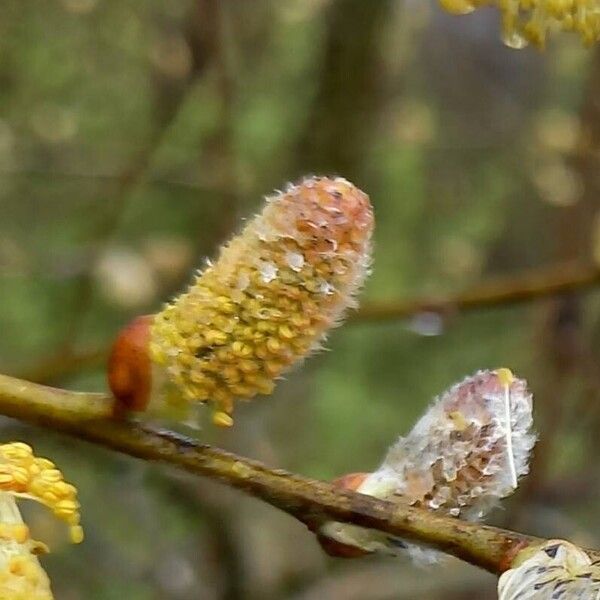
<point>505,376</point>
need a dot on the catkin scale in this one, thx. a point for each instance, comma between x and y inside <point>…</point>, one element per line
<point>266,303</point>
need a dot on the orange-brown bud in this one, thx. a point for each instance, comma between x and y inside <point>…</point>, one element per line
<point>350,481</point>
<point>339,550</point>
<point>129,366</point>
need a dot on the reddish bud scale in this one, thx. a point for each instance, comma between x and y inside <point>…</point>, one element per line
<point>350,481</point>
<point>129,366</point>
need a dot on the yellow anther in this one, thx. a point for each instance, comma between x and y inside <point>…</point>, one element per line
<point>222,419</point>
<point>273,345</point>
<point>17,450</point>
<point>20,533</point>
<point>248,366</point>
<point>273,368</point>
<point>241,350</point>
<point>76,534</point>
<point>6,479</point>
<point>44,463</point>
<point>286,332</point>
<point>214,336</point>
<point>460,423</point>
<point>505,376</point>
<point>231,374</point>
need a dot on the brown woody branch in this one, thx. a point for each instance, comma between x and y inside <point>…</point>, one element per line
<point>87,416</point>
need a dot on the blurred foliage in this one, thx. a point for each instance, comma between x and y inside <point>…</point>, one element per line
<point>135,136</point>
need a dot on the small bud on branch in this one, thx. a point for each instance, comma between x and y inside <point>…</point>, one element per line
<point>84,416</point>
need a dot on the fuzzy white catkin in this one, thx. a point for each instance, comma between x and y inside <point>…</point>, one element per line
<point>558,570</point>
<point>464,455</point>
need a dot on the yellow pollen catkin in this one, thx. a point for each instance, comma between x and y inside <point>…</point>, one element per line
<point>269,298</point>
<point>529,21</point>
<point>23,475</point>
<point>26,476</point>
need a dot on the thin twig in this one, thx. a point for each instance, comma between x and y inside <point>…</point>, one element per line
<point>528,286</point>
<point>62,364</point>
<point>84,415</point>
<point>525,287</point>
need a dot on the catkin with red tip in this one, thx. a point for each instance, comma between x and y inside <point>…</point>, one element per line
<point>266,302</point>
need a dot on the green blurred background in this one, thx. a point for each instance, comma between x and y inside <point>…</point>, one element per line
<point>135,135</point>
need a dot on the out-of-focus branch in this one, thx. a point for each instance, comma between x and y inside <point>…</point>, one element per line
<point>86,416</point>
<point>63,364</point>
<point>563,344</point>
<point>525,287</point>
<point>503,291</point>
<point>170,98</point>
<point>342,117</point>
<point>205,38</point>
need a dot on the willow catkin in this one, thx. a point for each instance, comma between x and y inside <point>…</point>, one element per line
<point>21,574</point>
<point>555,570</point>
<point>464,455</point>
<point>29,476</point>
<point>261,307</point>
<point>529,21</point>
<point>23,475</point>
